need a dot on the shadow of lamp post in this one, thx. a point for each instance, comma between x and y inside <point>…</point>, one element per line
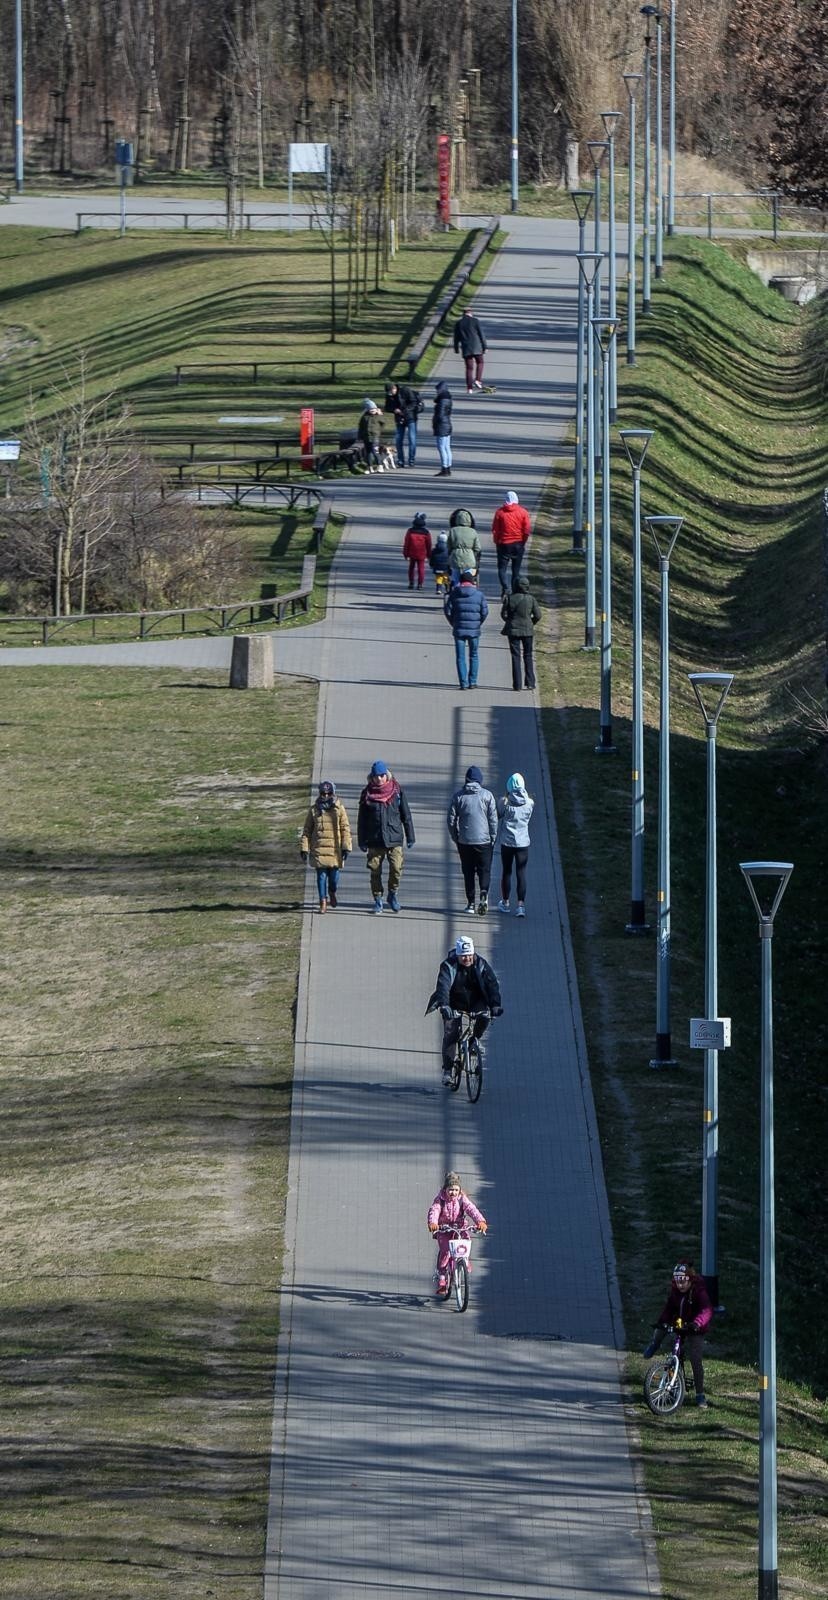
<point>636,442</point>
<point>664,531</point>
<point>582,200</point>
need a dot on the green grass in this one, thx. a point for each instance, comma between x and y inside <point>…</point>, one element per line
<point>152,898</point>
<point>740,447</point>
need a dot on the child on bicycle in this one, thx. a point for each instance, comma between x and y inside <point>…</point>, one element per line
<point>689,1302</point>
<point>451,1208</point>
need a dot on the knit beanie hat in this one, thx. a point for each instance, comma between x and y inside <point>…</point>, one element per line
<point>515,782</point>
<point>474,775</point>
<point>369,405</point>
<point>379,770</point>
<point>464,946</point>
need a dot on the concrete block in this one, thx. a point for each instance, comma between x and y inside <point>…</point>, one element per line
<point>251,664</point>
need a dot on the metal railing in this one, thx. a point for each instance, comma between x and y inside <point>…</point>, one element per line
<point>773,199</point>
<point>281,221</point>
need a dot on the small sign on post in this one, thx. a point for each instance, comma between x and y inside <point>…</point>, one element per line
<point>124,162</point>
<point>306,431</point>
<point>709,1033</point>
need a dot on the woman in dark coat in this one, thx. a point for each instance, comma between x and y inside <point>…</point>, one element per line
<point>520,611</point>
<point>441,427</point>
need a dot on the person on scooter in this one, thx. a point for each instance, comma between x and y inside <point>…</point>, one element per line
<point>467,983</point>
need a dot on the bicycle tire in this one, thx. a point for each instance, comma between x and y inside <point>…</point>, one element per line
<point>664,1387</point>
<point>474,1072</point>
<point>461,1285</point>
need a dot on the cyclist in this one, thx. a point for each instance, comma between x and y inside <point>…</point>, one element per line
<point>688,1300</point>
<point>467,983</point>
<point>451,1208</point>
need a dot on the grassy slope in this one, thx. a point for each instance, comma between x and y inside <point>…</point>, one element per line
<point>740,449</point>
<point>152,902</point>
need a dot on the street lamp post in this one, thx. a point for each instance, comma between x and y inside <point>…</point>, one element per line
<point>582,200</point>
<point>514,149</point>
<point>671,128</point>
<point>18,96</point>
<point>636,442</point>
<point>659,158</point>
<point>632,80</point>
<point>611,120</point>
<point>711,690</point>
<point>767,882</point>
<point>588,263</point>
<point>597,149</point>
<point>664,531</point>
<point>648,12</point>
<point>604,331</point>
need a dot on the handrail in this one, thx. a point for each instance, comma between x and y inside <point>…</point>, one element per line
<point>217,217</point>
<point>297,362</point>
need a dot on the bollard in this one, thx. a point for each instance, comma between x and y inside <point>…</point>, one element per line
<point>251,665</point>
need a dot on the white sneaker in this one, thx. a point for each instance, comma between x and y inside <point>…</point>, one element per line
<point>503,905</point>
<point>469,391</point>
<point>521,911</point>
<point>477,384</point>
<point>470,909</point>
<point>446,1078</point>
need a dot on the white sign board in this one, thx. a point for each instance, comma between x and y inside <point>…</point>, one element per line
<point>9,449</point>
<point>709,1033</point>
<point>308,158</point>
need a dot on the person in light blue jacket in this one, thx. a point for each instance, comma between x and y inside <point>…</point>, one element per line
<point>514,813</point>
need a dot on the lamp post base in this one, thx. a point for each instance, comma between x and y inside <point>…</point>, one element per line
<point>589,639</point>
<point>637,922</point>
<point>768,1586</point>
<point>663,1052</point>
<point>631,362</point>
<point>577,543</point>
<point>606,747</point>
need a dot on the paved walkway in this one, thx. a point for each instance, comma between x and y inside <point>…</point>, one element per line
<point>414,1447</point>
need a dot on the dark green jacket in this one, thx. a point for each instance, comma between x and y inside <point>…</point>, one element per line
<point>520,611</point>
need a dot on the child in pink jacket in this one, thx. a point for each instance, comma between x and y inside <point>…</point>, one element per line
<point>451,1208</point>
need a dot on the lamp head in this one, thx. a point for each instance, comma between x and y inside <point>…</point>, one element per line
<point>610,120</point>
<point>604,329</point>
<point>632,80</point>
<point>597,149</point>
<point>636,442</point>
<point>711,690</point>
<point>767,882</point>
<point>588,264</point>
<point>665,531</point>
<point>582,200</point>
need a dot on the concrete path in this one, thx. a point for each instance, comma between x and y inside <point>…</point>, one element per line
<point>415,1448</point>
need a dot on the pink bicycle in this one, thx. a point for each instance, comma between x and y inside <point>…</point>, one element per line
<point>457,1274</point>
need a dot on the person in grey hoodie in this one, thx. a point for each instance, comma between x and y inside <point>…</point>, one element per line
<point>472,823</point>
<point>514,812</point>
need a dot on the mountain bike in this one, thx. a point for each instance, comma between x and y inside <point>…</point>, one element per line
<point>457,1274</point>
<point>665,1381</point>
<point>468,1059</point>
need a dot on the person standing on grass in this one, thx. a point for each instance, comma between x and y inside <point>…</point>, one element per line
<point>511,528</point>
<point>472,824</point>
<point>326,838</point>
<point>417,550</point>
<point>470,343</point>
<point>441,428</point>
<point>383,825</point>
<point>520,611</point>
<point>466,610</point>
<point>514,813</point>
<point>688,1300</point>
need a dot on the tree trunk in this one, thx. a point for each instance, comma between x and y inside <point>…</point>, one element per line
<point>571,172</point>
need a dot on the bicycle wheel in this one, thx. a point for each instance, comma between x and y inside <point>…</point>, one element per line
<point>664,1387</point>
<point>461,1285</point>
<point>474,1072</point>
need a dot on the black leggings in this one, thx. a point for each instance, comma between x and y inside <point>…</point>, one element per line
<point>510,854</point>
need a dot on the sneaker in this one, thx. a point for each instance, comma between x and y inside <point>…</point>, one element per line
<point>503,905</point>
<point>332,899</point>
<point>392,902</point>
<point>446,1078</point>
<point>483,906</point>
<point>701,1401</point>
<point>377,905</point>
<point>442,1283</point>
<point>469,391</point>
<point>477,384</point>
<point>470,909</point>
<point>521,911</point>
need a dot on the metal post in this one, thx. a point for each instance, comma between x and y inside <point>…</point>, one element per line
<point>768,1574</point>
<point>665,531</point>
<point>611,120</point>
<point>582,200</point>
<point>636,442</point>
<point>648,12</point>
<point>587,266</point>
<point>704,684</point>
<point>18,96</point>
<point>659,150</point>
<point>671,128</point>
<point>632,80</point>
<point>597,149</point>
<point>514,153</point>
<point>604,331</point>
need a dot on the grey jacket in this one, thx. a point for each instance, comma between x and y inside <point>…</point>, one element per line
<point>515,811</point>
<point>472,815</point>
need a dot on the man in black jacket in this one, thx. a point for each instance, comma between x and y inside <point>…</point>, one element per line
<point>383,822</point>
<point>465,982</point>
<point>470,342</point>
<point>404,406</point>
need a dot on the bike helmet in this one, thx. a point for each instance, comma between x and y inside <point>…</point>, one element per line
<point>464,946</point>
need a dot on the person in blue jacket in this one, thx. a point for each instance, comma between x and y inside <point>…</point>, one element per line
<point>467,609</point>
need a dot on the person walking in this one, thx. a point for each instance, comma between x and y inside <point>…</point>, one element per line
<point>383,825</point>
<point>326,839</point>
<point>520,612</point>
<point>369,433</point>
<point>466,608</point>
<point>511,528</point>
<point>405,406</point>
<point>463,543</point>
<point>417,549</point>
<point>472,824</point>
<point>441,427</point>
<point>514,814</point>
<point>470,343</point>
<point>440,563</point>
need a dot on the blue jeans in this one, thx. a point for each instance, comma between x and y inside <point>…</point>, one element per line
<point>466,676</point>
<point>444,447</point>
<point>327,878</point>
<point>404,428</point>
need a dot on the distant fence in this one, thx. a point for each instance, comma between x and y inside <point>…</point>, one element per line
<point>717,208</point>
<point>298,222</point>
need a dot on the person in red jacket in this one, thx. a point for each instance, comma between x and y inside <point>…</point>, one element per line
<point>417,549</point>
<point>688,1300</point>
<point>510,531</point>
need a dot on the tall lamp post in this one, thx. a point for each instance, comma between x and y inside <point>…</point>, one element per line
<point>514,149</point>
<point>767,882</point>
<point>647,12</point>
<point>636,442</point>
<point>588,263</point>
<point>711,690</point>
<point>664,531</point>
<point>604,330</point>
<point>597,149</point>
<point>611,120</point>
<point>659,155</point>
<point>18,95</point>
<point>582,200</point>
<point>671,128</point>
<point>632,80</point>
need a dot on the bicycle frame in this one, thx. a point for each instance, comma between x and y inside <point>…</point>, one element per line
<point>459,1261</point>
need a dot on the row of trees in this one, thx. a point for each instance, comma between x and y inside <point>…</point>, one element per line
<point>225,84</point>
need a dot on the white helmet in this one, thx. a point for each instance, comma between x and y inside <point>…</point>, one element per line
<point>464,946</point>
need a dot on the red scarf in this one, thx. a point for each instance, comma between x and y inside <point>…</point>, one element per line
<point>382,793</point>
